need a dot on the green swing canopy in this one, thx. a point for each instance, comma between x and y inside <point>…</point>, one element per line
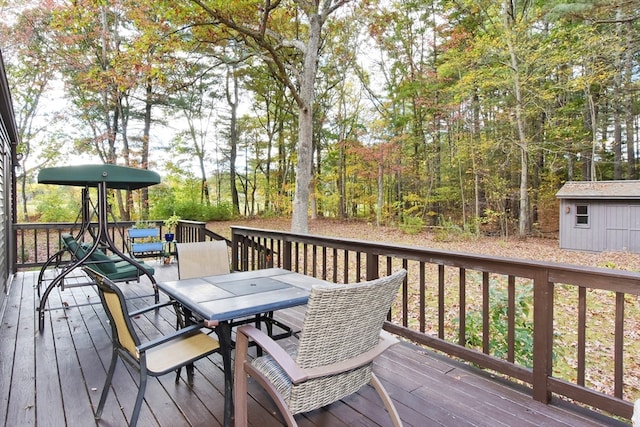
<point>118,177</point>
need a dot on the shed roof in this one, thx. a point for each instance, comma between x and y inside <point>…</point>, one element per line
<point>611,190</point>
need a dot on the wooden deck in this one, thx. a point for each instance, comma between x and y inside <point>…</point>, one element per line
<point>54,378</point>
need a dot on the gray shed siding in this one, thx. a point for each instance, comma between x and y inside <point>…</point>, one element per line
<point>613,216</point>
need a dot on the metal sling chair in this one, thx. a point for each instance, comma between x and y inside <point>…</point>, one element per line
<point>153,358</point>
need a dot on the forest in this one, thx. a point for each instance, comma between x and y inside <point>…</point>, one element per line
<point>466,113</point>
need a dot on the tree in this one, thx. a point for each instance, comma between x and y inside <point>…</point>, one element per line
<point>114,59</point>
<point>273,111</point>
<point>267,37</point>
<point>196,102</point>
<point>27,43</point>
<point>510,16</point>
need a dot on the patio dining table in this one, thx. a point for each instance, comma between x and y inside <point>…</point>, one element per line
<point>220,299</point>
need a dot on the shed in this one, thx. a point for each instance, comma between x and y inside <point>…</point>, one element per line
<point>600,216</point>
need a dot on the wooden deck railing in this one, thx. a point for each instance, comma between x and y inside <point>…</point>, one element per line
<point>37,242</point>
<point>579,339</point>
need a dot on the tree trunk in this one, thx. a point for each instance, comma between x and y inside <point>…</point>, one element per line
<point>523,224</point>
<point>632,172</point>
<point>475,140</point>
<point>144,155</point>
<point>299,218</point>
<point>232,100</point>
<point>380,194</point>
<point>590,173</point>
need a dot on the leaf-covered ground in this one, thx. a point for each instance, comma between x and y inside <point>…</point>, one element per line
<point>544,249</point>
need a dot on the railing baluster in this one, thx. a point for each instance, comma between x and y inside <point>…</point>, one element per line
<point>511,318</point>
<point>462,313</point>
<point>324,263</point>
<point>305,260</point>
<point>315,260</point>
<point>441,299</point>
<point>619,346</point>
<point>35,245</point>
<point>423,290</point>
<point>486,312</point>
<point>345,267</point>
<point>335,265</point>
<point>582,334</point>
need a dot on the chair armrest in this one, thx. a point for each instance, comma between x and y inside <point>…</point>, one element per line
<point>386,341</point>
<point>169,337</point>
<point>149,308</point>
<point>278,354</point>
<point>299,375</point>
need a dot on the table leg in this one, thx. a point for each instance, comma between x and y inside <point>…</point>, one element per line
<point>223,330</point>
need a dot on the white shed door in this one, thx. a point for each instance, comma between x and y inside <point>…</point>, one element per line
<point>617,228</point>
<point>622,228</point>
<point>634,229</point>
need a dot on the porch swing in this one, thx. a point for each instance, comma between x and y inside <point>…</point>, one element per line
<point>119,266</point>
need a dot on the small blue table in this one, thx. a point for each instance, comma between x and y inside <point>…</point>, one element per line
<point>220,299</point>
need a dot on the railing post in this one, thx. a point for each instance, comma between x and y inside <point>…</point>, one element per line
<point>201,233</point>
<point>179,232</point>
<point>235,249</point>
<point>542,335</point>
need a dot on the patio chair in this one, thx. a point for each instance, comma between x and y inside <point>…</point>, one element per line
<point>157,357</point>
<point>198,259</point>
<point>341,336</point>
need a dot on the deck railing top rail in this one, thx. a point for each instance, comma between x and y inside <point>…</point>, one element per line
<point>592,277</point>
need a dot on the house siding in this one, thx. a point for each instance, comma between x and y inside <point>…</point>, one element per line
<point>8,141</point>
<point>5,209</point>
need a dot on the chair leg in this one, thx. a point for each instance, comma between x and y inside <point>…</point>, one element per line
<point>140,396</point>
<point>386,399</point>
<point>190,370</point>
<point>107,384</point>
<point>240,381</point>
<point>258,324</point>
<point>288,417</point>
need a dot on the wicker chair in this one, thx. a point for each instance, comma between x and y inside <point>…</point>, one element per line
<point>157,357</point>
<point>198,259</point>
<point>341,336</point>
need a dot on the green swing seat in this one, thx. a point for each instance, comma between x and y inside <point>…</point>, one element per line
<point>113,267</point>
